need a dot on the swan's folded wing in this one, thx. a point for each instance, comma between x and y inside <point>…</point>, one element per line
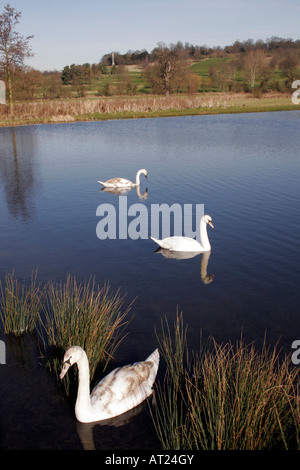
<point>125,383</point>
<point>178,243</point>
<point>119,182</point>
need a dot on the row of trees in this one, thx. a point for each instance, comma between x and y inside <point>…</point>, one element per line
<point>274,45</point>
<point>167,73</point>
<point>257,66</point>
<point>167,69</point>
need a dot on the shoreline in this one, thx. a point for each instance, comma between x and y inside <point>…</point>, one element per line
<point>139,107</point>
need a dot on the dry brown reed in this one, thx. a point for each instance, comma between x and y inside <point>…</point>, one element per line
<point>65,110</point>
<point>95,108</point>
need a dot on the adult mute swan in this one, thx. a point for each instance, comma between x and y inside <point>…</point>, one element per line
<point>122,182</point>
<point>120,391</point>
<point>188,244</point>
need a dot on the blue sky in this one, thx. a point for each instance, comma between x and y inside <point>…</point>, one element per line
<point>73,31</point>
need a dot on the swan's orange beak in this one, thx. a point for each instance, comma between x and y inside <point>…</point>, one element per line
<point>211,224</point>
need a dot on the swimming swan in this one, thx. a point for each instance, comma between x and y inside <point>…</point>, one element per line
<point>122,182</point>
<point>120,391</point>
<point>188,244</point>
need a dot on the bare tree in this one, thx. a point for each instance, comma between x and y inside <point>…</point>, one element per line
<point>223,75</point>
<point>14,49</point>
<point>169,73</point>
<point>165,68</point>
<point>253,63</point>
<point>289,66</point>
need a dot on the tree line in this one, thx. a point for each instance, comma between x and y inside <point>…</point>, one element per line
<point>243,66</point>
<point>195,52</point>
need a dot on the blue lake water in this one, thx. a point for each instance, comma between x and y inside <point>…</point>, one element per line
<point>244,169</point>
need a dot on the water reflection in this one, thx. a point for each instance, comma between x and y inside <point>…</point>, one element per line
<point>17,172</point>
<point>85,430</point>
<point>124,191</point>
<point>181,255</point>
<point>235,165</point>
<point>21,350</point>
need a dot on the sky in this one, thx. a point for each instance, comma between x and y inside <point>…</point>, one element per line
<point>75,32</point>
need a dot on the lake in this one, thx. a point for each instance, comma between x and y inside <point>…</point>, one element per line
<point>243,170</point>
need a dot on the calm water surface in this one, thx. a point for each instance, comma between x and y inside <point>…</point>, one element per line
<point>245,169</point>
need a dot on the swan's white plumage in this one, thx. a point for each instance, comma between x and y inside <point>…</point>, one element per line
<point>121,390</point>
<point>123,182</point>
<point>186,244</point>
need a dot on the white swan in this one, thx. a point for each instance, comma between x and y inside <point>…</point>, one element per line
<point>120,391</point>
<point>122,182</point>
<point>188,244</point>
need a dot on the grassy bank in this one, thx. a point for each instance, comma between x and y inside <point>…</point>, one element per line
<point>106,108</point>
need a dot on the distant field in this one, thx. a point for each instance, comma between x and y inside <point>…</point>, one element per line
<point>201,68</point>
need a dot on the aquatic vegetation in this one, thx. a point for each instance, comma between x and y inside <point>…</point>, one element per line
<point>62,314</point>
<point>225,397</point>
<point>94,109</point>
<point>82,314</point>
<point>20,304</point>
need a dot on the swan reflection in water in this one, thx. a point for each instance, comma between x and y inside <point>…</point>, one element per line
<point>85,430</point>
<point>124,191</point>
<point>181,255</point>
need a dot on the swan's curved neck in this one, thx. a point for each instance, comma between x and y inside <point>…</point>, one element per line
<point>204,264</point>
<point>137,178</point>
<point>204,237</point>
<point>83,401</point>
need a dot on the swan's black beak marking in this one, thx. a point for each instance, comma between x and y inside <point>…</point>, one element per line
<point>66,365</point>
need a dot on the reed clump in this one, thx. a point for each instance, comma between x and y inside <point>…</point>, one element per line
<point>20,304</point>
<point>67,109</point>
<point>225,397</point>
<point>65,314</point>
<point>93,107</point>
<point>86,315</point>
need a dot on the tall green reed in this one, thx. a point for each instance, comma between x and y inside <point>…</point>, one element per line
<point>170,416</point>
<point>20,304</point>
<point>225,397</point>
<point>64,314</point>
<point>86,315</point>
